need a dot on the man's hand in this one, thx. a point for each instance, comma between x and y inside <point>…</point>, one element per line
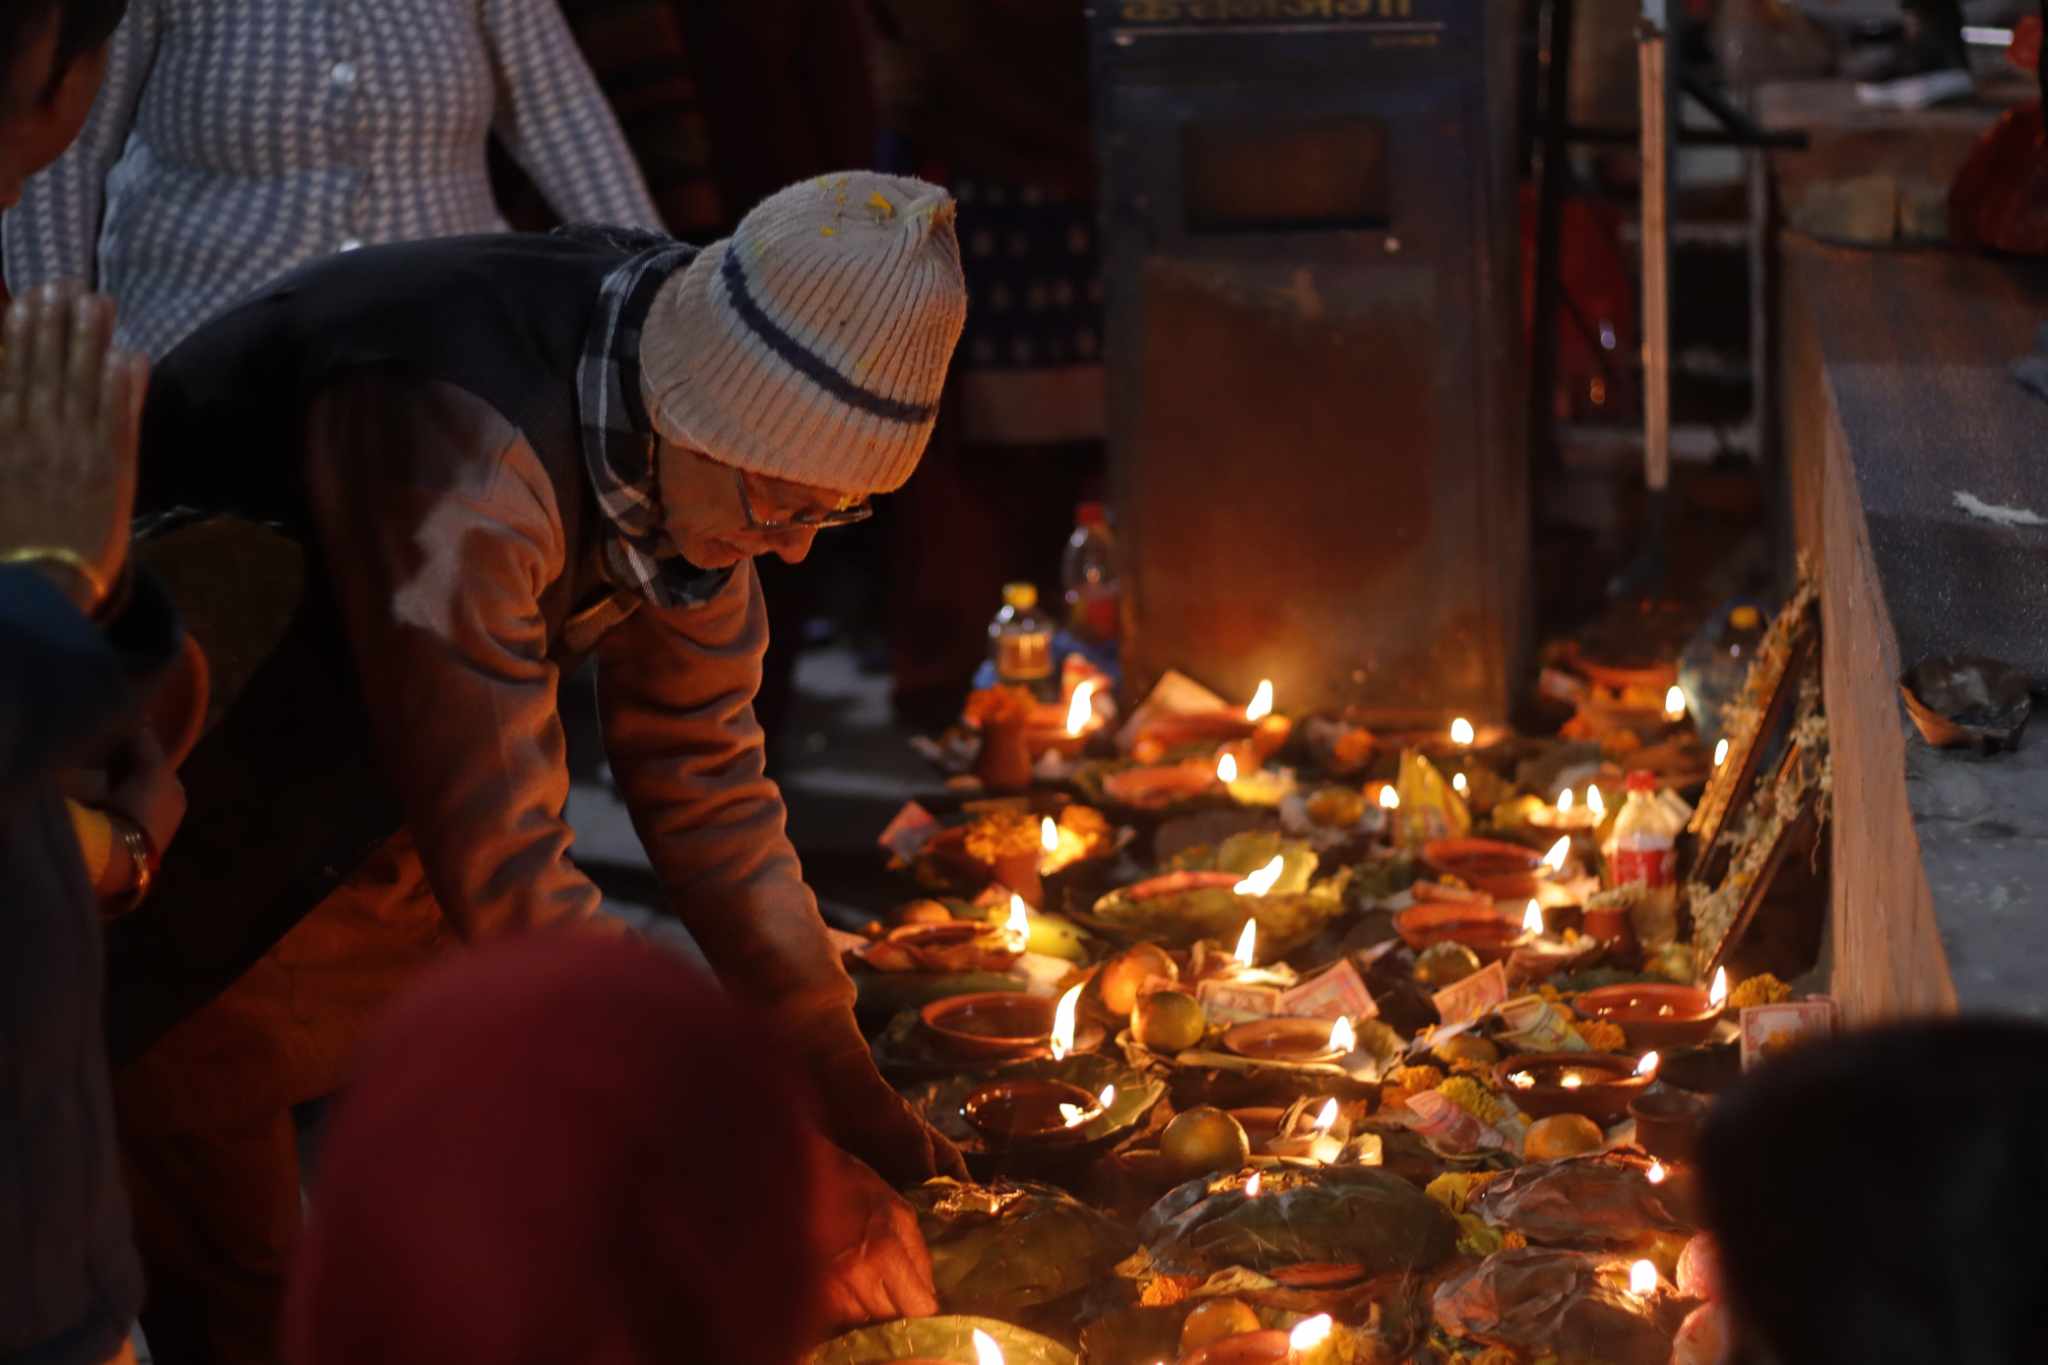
<point>137,782</point>
<point>147,790</point>
<point>70,417</point>
<point>873,1122</point>
<point>877,1265</point>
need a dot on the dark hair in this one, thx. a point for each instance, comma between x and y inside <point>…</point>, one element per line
<point>1881,1200</point>
<point>83,27</point>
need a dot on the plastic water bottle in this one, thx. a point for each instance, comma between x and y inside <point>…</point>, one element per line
<point>1645,853</point>
<point>1020,643</point>
<point>1094,587</point>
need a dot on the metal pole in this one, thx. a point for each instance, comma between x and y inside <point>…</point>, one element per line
<point>1655,98</point>
<point>1557,49</point>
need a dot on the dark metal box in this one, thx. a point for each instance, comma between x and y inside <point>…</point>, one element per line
<point>1313,298</point>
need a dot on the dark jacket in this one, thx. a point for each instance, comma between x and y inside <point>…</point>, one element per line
<point>409,412</point>
<point>70,1283</point>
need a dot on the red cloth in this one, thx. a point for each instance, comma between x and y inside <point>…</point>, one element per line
<point>568,1149</point>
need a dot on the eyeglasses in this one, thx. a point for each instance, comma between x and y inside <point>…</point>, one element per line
<point>802,521</point>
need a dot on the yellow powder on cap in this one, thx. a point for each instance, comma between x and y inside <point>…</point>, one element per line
<point>881,205</point>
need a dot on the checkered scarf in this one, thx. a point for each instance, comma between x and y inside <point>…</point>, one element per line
<point>618,438</point>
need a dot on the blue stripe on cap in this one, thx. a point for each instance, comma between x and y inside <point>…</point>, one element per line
<point>808,362</point>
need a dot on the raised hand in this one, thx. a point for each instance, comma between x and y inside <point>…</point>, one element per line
<point>70,416</point>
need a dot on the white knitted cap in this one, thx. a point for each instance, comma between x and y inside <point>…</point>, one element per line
<point>811,345</point>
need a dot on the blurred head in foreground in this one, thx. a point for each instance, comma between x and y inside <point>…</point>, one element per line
<point>1881,1199</point>
<point>573,1149</point>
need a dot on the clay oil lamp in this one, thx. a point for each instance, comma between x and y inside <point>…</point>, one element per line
<point>1292,1040</point>
<point>1674,704</point>
<point>1272,1347</point>
<point>1008,1025</point>
<point>1240,966</point>
<point>1503,870</point>
<point>1388,797</point>
<point>955,945</point>
<point>1595,1084</point>
<point>1449,916</point>
<point>986,1352</point>
<point>1541,948</point>
<point>1655,1014</point>
<point>1262,882</point>
<point>1030,1111</point>
<point>1269,731</point>
<point>1668,1123</point>
<point>1256,728</point>
<point>1158,786</point>
<point>1320,1139</point>
<point>1246,1348</point>
<point>1457,742</point>
<point>1246,954</point>
<point>1572,814</point>
<point>1251,785</point>
<point>1070,734</point>
<point>1561,880</point>
<point>1059,848</point>
<point>1542,953</point>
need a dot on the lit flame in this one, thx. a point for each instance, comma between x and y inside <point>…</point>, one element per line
<point>1252,1186</point>
<point>1559,851</point>
<point>1081,710</point>
<point>1642,1279</point>
<point>1717,994</point>
<point>1522,1080</point>
<point>1674,703</point>
<point>1720,753</point>
<point>1596,803</point>
<point>1532,919</point>
<point>1262,702</point>
<point>1327,1118</point>
<point>1343,1038</point>
<point>1459,784</point>
<point>1074,1115</point>
<point>1226,769</point>
<point>1389,798</point>
<point>1572,1080</point>
<point>1018,925</point>
<point>1648,1066</point>
<point>1309,1334</point>
<point>1655,1175</point>
<point>1063,1024</point>
<point>1462,733</point>
<point>1049,835</point>
<point>1564,801</point>
<point>1262,881</point>
<point>986,1352</point>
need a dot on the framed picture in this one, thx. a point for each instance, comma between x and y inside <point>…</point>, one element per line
<point>1789,651</point>
<point>1782,815</point>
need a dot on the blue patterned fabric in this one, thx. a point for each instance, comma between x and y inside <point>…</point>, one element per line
<point>236,139</point>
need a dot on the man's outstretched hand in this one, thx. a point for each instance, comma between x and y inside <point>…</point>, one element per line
<point>877,1266</point>
<point>869,1119</point>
